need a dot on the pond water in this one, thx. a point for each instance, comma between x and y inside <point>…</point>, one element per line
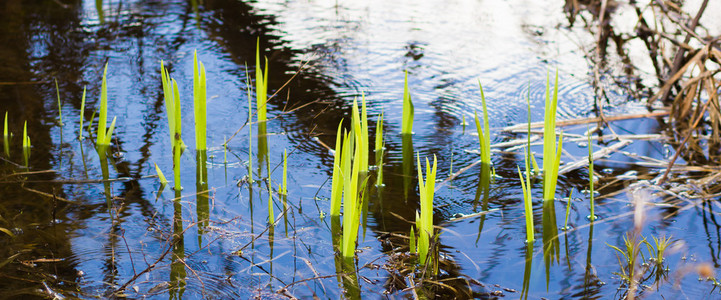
<point>83,225</point>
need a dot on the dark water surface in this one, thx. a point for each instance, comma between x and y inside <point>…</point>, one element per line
<point>70,233</point>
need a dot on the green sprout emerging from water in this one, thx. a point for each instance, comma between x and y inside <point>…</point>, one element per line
<point>337,179</point>
<point>526,181</point>
<point>104,136</point>
<point>590,177</point>
<point>484,136</point>
<point>26,144</point>
<point>199,103</point>
<point>379,150</point>
<point>82,115</point>
<point>407,125</point>
<point>6,136</point>
<point>60,106</point>
<point>284,186</point>
<point>425,218</point>
<point>261,85</point>
<point>172,107</point>
<point>161,177</point>
<point>551,151</point>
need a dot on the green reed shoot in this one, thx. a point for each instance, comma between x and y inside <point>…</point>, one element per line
<point>337,180</point>
<point>261,85</point>
<point>172,107</point>
<point>6,136</point>
<point>412,241</point>
<point>82,115</point>
<point>568,210</point>
<point>60,106</point>
<point>484,136</point>
<point>408,111</point>
<point>161,177</point>
<point>551,151</point>
<point>380,145</point>
<point>426,189</point>
<point>284,187</point>
<point>359,120</point>
<point>199,103</point>
<point>26,144</point>
<point>526,182</point>
<point>590,177</point>
<point>92,119</point>
<point>104,136</point>
<point>351,200</point>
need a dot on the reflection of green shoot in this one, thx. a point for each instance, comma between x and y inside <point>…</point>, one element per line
<point>199,103</point>
<point>60,106</point>
<point>551,152</point>
<point>82,116</point>
<point>104,136</point>
<point>408,111</point>
<point>250,129</point>
<point>261,85</point>
<point>590,177</point>
<point>425,219</point>
<point>337,179</point>
<point>568,210</point>
<point>271,214</point>
<point>6,136</point>
<point>161,177</point>
<point>484,137</point>
<point>225,150</point>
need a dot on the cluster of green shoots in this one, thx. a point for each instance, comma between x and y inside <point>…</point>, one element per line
<point>261,85</point>
<point>551,157</point>
<point>424,219</point>
<point>350,176</point>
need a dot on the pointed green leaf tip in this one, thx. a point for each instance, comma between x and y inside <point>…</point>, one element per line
<point>408,110</point>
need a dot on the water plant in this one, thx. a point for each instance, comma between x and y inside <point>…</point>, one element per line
<point>284,187</point>
<point>337,177</point>
<point>484,137</point>
<point>26,143</point>
<point>352,187</point>
<point>261,85</point>
<point>590,178</point>
<point>60,106</point>
<point>104,136</point>
<point>250,128</point>
<point>412,241</point>
<point>359,121</point>
<point>82,115</point>
<point>568,210</point>
<point>551,150</point>
<point>161,177</point>
<point>424,220</point>
<point>526,181</point>
<point>199,103</point>
<point>379,150</point>
<point>172,108</point>
<point>408,110</point>
<point>6,136</point>
<point>271,214</point>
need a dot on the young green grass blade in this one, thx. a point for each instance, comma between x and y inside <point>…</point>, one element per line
<point>284,187</point>
<point>6,136</point>
<point>590,177</point>
<point>408,110</point>
<point>379,150</point>
<point>109,134</point>
<point>261,85</point>
<point>102,121</point>
<point>549,141</point>
<point>426,189</point>
<point>26,139</point>
<point>92,119</point>
<point>337,179</point>
<point>351,211</point>
<point>161,177</point>
<point>486,132</point>
<point>412,241</point>
<point>364,135</point>
<point>568,210</point>
<point>60,106</point>
<point>199,103</point>
<point>82,115</point>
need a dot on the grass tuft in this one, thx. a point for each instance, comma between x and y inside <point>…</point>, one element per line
<point>551,150</point>
<point>261,85</point>
<point>425,218</point>
<point>199,103</point>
